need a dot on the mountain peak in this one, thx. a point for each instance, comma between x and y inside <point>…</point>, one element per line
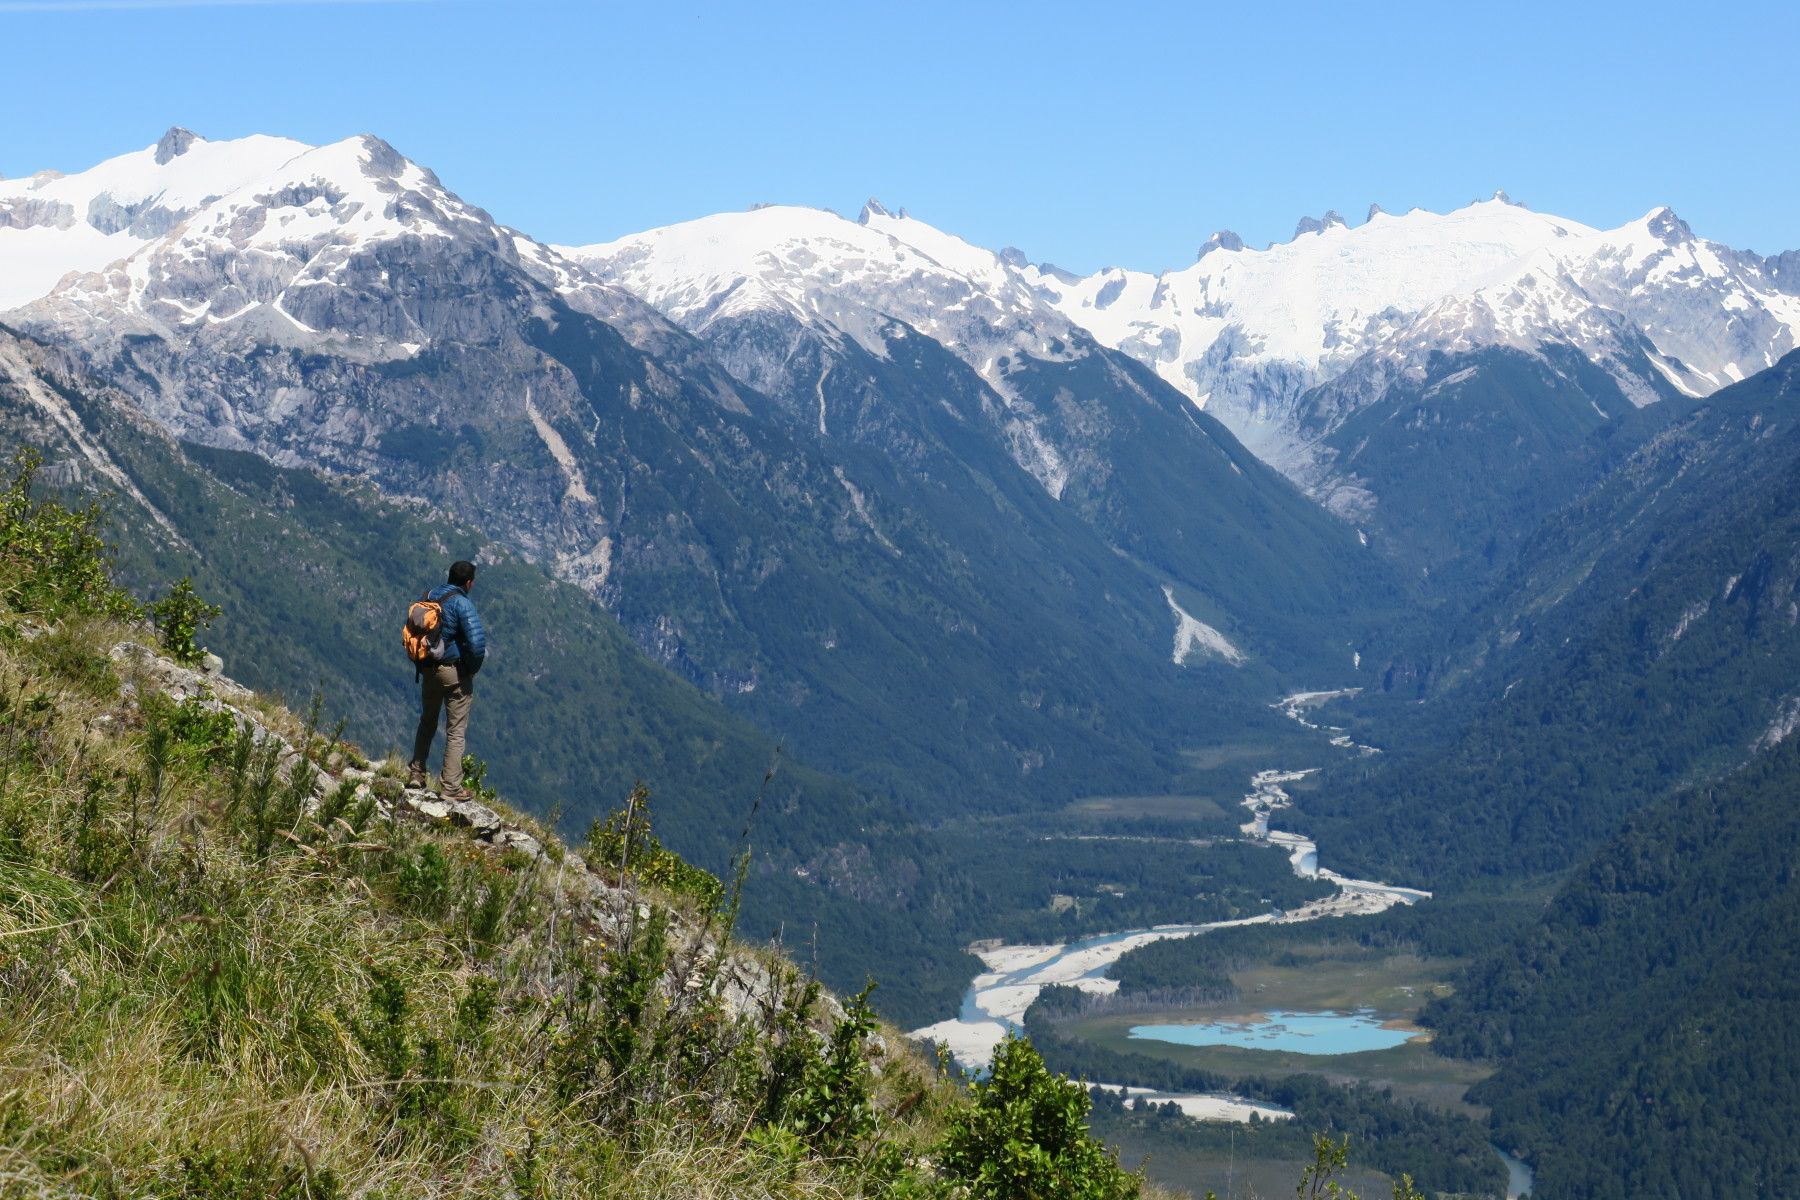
<point>1331,220</point>
<point>1666,227</point>
<point>1500,197</point>
<point>384,160</point>
<point>174,143</point>
<point>1375,210</point>
<point>1225,239</point>
<point>873,208</point>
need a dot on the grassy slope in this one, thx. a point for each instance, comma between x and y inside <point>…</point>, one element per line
<point>199,1002</point>
<point>233,971</point>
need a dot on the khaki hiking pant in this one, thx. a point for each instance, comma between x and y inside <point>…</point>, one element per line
<point>443,688</point>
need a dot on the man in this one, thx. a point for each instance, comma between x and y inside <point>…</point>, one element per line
<point>448,685</point>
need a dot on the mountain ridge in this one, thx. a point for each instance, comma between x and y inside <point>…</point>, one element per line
<point>1246,332</point>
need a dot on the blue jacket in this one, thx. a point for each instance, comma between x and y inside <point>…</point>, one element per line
<point>465,641</point>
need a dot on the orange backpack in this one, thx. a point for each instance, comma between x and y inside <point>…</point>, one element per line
<point>423,633</point>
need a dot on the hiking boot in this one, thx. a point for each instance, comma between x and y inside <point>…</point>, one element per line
<point>415,777</point>
<point>457,792</point>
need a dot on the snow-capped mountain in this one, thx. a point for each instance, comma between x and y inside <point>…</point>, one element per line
<point>257,238</point>
<point>1712,315</point>
<point>271,291</point>
<point>889,333</point>
<point>338,307</point>
<point>1282,344</point>
<point>1649,301</point>
<point>756,284</point>
<point>53,224</point>
<point>850,275</point>
<point>1505,396</point>
<point>1246,332</point>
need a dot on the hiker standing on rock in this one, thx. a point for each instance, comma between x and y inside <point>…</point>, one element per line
<point>446,644</point>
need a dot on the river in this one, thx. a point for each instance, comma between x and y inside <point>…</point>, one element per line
<point>997,998</point>
<point>1518,1175</point>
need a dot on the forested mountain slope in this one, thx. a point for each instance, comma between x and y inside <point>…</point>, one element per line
<point>884,334</point>
<point>1646,639</point>
<point>1647,1026</point>
<point>1450,473</point>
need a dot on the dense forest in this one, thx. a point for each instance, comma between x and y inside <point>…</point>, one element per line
<point>1642,641</point>
<point>1647,1025</point>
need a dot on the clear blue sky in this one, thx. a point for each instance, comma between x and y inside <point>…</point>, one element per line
<point>1085,134</point>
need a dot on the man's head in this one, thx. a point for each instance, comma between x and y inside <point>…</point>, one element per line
<point>462,575</point>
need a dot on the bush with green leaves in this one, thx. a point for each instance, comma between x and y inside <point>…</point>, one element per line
<point>1024,1136</point>
<point>831,1107</point>
<point>624,846</point>
<point>53,559</point>
<point>179,618</point>
<point>197,730</point>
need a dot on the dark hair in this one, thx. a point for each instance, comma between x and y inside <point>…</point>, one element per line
<point>461,573</point>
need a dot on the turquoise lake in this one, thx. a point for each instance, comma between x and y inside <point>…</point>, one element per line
<point>1295,1032</point>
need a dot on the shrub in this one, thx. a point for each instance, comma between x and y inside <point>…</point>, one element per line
<point>198,732</point>
<point>179,618</point>
<point>624,845</point>
<point>423,886</point>
<point>1331,1159</point>
<point>1024,1136</point>
<point>832,1107</point>
<point>53,560</point>
<point>256,1173</point>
